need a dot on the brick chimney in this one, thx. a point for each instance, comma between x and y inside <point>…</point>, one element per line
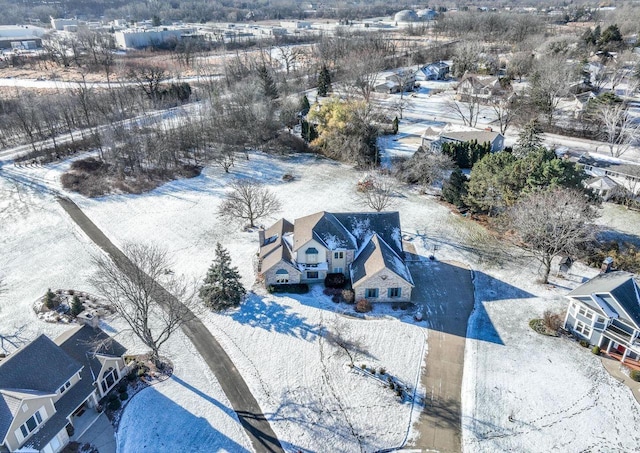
<point>607,265</point>
<point>261,237</point>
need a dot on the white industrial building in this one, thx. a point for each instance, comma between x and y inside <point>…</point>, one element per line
<point>20,36</point>
<point>60,24</point>
<point>140,38</point>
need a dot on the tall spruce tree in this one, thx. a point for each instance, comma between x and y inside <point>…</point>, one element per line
<point>305,106</point>
<point>222,287</point>
<point>324,81</point>
<point>529,139</point>
<point>269,87</point>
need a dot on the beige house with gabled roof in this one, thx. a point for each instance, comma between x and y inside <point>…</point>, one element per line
<point>364,247</point>
<point>49,389</point>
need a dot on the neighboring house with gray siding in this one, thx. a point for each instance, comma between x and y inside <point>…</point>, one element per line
<point>605,311</point>
<point>365,247</point>
<point>47,386</point>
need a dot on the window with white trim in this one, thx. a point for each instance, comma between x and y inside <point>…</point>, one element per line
<point>109,379</point>
<point>282,276</point>
<point>337,270</point>
<point>371,293</point>
<point>394,292</point>
<point>338,255</point>
<point>585,312</point>
<point>583,328</point>
<point>64,387</point>
<point>31,424</point>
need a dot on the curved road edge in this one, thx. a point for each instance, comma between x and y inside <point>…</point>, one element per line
<point>235,388</point>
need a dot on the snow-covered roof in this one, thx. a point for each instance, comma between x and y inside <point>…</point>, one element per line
<point>375,256</point>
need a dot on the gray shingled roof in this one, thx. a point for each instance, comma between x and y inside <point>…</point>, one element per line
<point>83,343</point>
<point>621,285</point>
<point>467,136</point>
<point>325,228</point>
<point>364,224</point>
<point>275,248</point>
<point>375,256</point>
<point>39,366</point>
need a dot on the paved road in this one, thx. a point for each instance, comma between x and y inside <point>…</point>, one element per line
<point>244,404</point>
<point>445,290</point>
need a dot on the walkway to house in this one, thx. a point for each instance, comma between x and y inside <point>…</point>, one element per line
<point>100,435</point>
<point>444,290</point>
<point>612,365</point>
<point>244,404</point>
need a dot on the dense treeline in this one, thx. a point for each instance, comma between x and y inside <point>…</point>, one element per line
<point>198,11</point>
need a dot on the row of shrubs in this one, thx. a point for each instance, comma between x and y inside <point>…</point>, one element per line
<point>292,288</point>
<point>114,400</point>
<point>340,295</point>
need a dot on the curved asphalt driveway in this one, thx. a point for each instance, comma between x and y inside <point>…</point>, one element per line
<point>244,404</point>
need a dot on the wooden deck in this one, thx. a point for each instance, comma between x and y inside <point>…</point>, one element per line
<point>633,364</point>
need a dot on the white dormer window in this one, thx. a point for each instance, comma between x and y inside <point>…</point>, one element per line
<point>64,387</point>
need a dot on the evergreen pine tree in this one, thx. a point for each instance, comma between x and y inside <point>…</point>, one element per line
<point>269,87</point>
<point>76,306</point>
<point>222,287</point>
<point>50,299</point>
<point>529,139</point>
<point>454,189</point>
<point>324,82</point>
<point>396,125</point>
<point>305,106</point>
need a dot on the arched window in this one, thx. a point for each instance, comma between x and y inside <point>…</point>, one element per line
<point>282,276</point>
<point>109,378</point>
<point>311,255</point>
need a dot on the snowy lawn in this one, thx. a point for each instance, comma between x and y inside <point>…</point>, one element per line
<point>187,412</point>
<point>303,382</point>
<point>40,248</point>
<point>523,391</point>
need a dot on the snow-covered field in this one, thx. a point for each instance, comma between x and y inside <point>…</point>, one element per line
<point>553,390</point>
<point>300,378</point>
<point>523,391</point>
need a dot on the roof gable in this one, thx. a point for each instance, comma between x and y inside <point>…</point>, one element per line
<point>40,365</point>
<point>375,256</point>
<point>37,369</point>
<point>325,228</point>
<point>362,225</point>
<point>623,290</point>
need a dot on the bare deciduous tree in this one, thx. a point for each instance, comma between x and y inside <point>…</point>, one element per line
<point>618,129</point>
<point>552,222</point>
<point>340,335</point>
<point>467,110</point>
<point>145,293</point>
<point>376,192</point>
<point>549,82</point>
<point>249,201</point>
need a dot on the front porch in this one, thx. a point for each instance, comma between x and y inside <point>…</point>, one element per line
<point>82,419</point>
<point>631,363</point>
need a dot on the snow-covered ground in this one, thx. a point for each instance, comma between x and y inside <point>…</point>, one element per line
<point>188,412</point>
<point>41,248</point>
<point>523,391</point>
<point>279,343</point>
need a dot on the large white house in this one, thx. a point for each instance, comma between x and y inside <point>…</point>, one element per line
<point>365,247</point>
